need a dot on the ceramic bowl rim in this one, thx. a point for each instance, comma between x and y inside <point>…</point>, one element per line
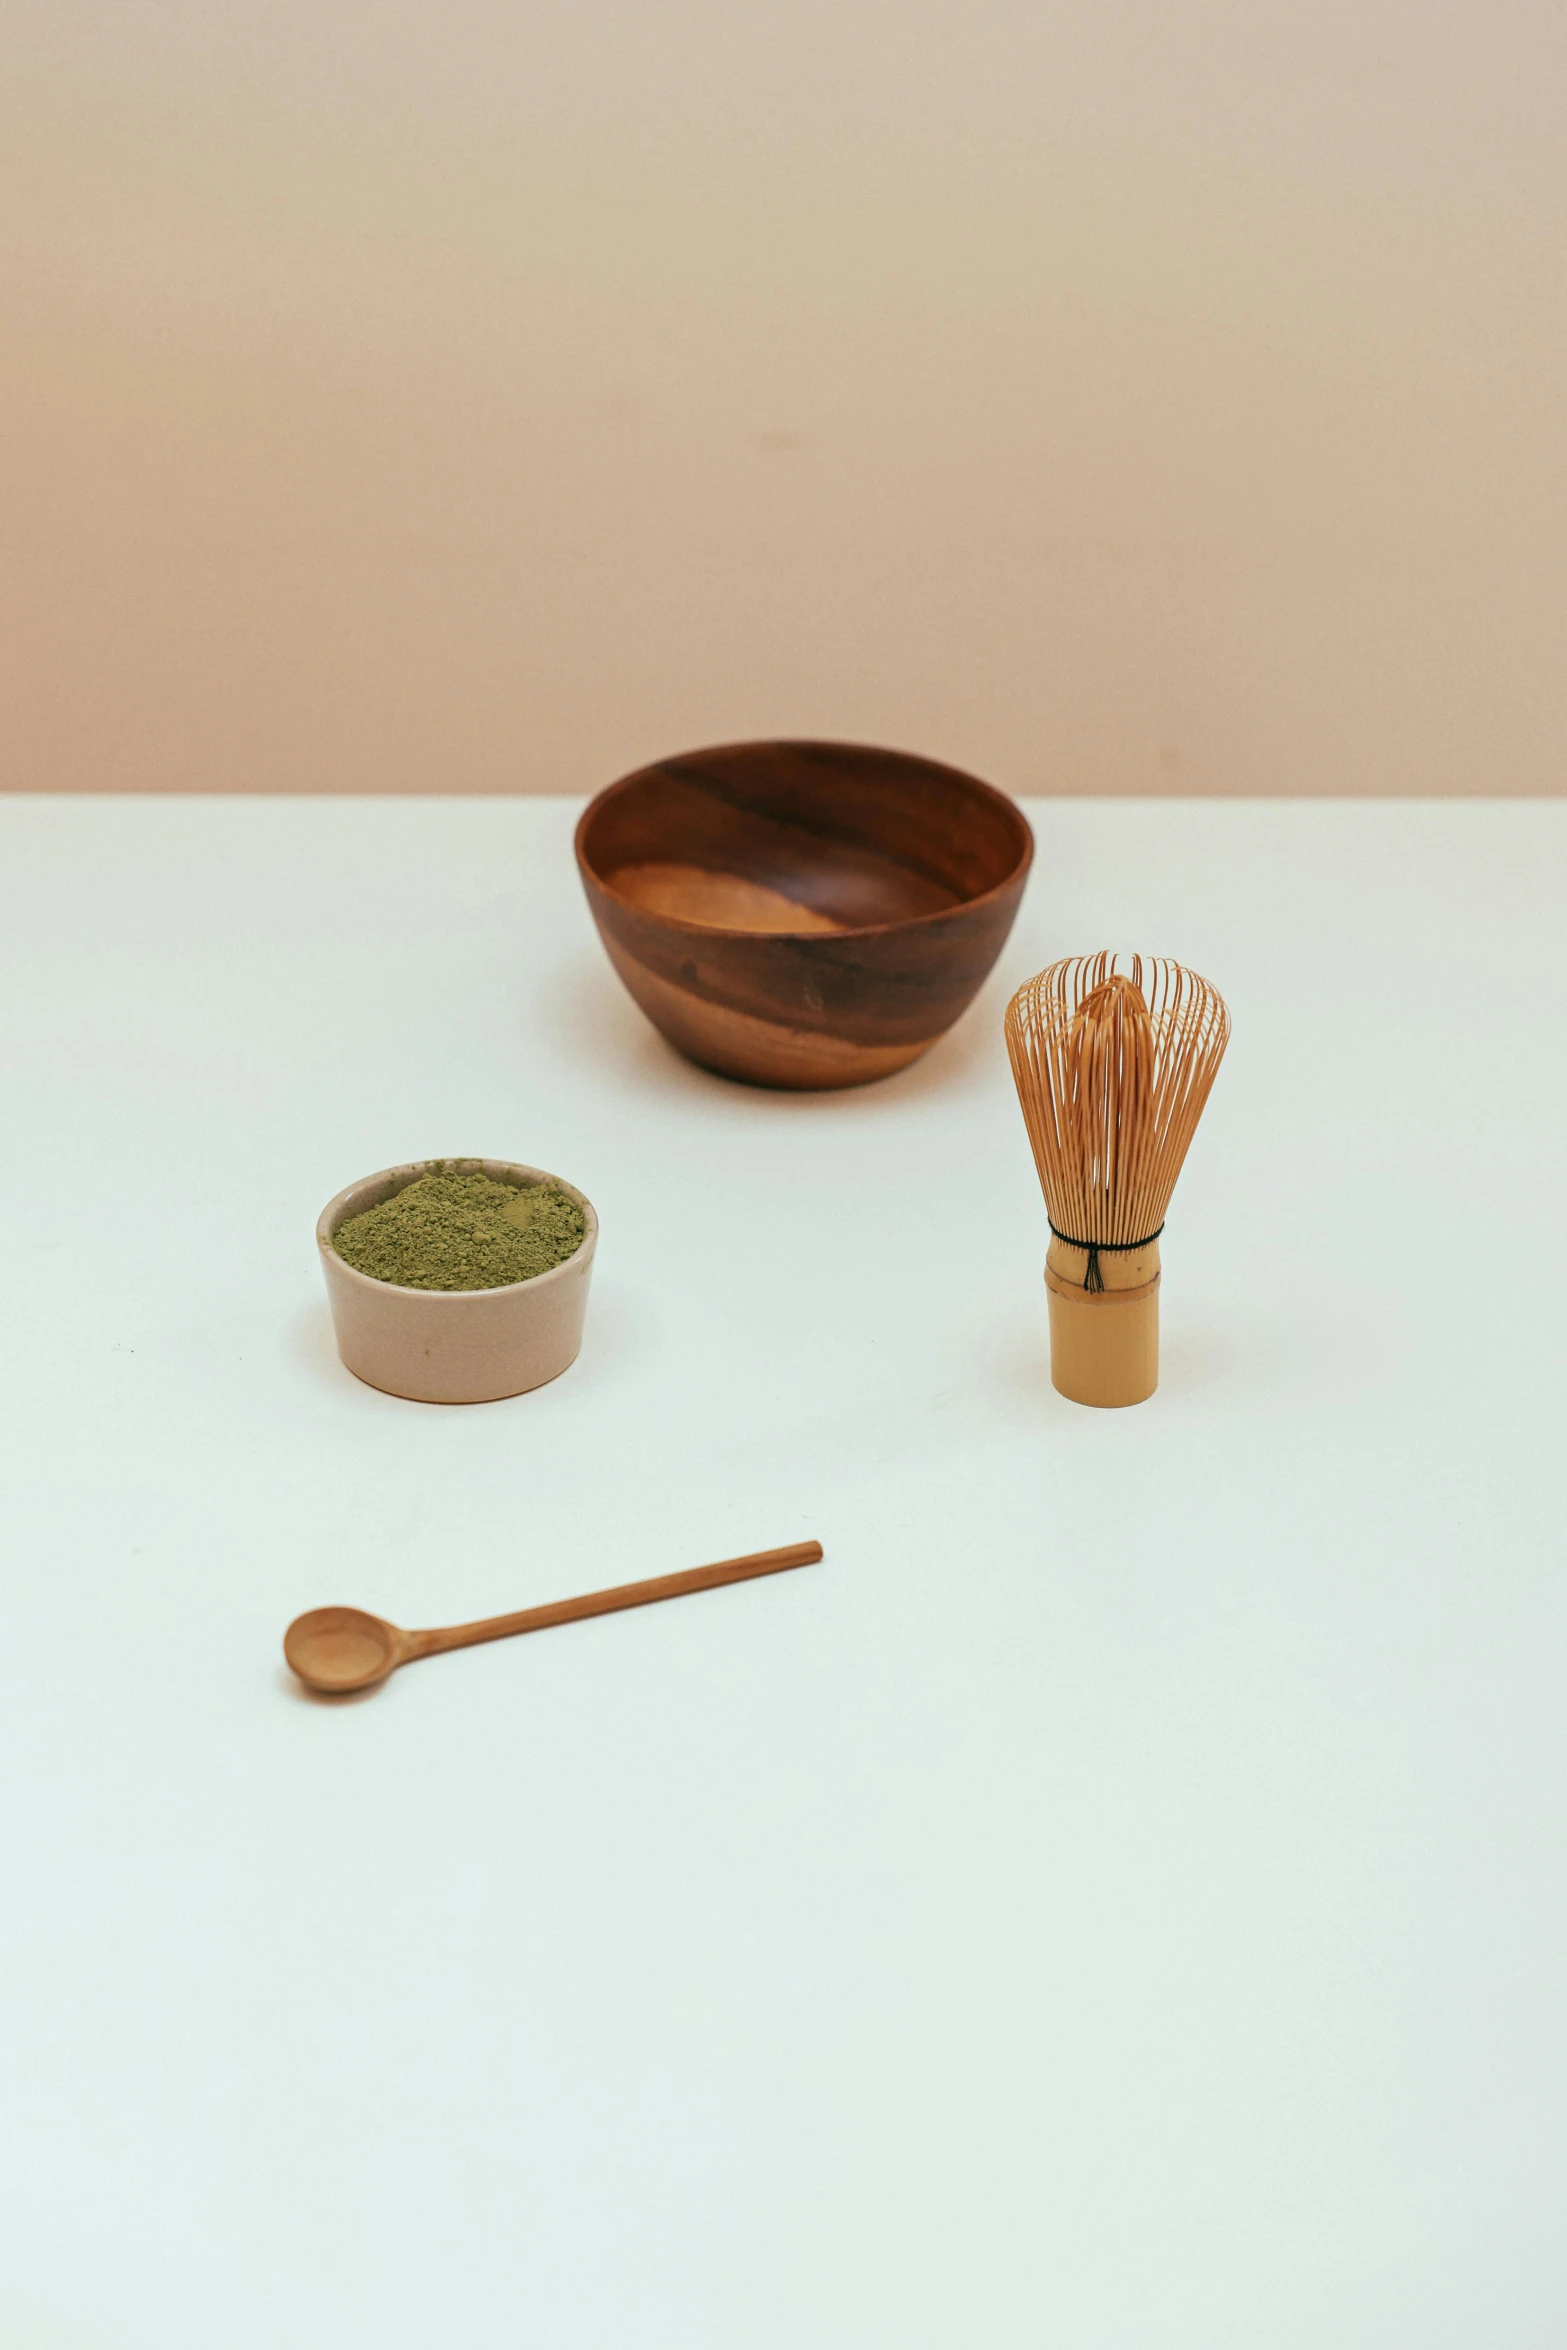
<point>335,1213</point>
<point>974,783</point>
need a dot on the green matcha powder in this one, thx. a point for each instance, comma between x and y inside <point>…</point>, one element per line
<point>452,1231</point>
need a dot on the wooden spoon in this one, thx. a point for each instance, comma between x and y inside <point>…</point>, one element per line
<point>338,1649</point>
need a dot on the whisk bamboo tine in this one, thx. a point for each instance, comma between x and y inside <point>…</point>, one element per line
<point>1113,1070</point>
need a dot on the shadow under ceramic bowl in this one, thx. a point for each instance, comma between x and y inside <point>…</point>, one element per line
<point>455,1345</point>
<point>803,914</point>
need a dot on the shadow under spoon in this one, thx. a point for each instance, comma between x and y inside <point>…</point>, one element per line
<point>336,1650</point>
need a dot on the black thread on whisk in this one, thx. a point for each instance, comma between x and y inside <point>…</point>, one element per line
<point>1093,1278</point>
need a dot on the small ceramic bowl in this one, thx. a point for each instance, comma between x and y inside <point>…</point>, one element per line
<point>803,914</point>
<point>455,1345</point>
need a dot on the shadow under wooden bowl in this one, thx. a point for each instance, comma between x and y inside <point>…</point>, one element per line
<point>803,914</point>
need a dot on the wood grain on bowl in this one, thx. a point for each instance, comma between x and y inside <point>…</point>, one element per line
<point>803,914</point>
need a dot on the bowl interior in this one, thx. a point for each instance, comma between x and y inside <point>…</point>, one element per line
<point>371,1190</point>
<point>801,837</point>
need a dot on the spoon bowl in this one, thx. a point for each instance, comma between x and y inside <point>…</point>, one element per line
<point>336,1650</point>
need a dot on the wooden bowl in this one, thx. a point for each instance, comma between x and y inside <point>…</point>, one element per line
<point>803,914</point>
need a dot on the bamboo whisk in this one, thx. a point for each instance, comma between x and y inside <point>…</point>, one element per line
<point>1112,1069</point>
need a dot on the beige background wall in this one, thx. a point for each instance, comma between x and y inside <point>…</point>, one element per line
<point>484,395</point>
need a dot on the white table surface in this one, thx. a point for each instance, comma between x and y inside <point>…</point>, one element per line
<point>1116,1902</point>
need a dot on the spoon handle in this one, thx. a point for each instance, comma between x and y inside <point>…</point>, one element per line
<point>604,1603</point>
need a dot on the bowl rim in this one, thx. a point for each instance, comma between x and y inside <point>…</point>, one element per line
<point>334,1213</point>
<point>975,783</point>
